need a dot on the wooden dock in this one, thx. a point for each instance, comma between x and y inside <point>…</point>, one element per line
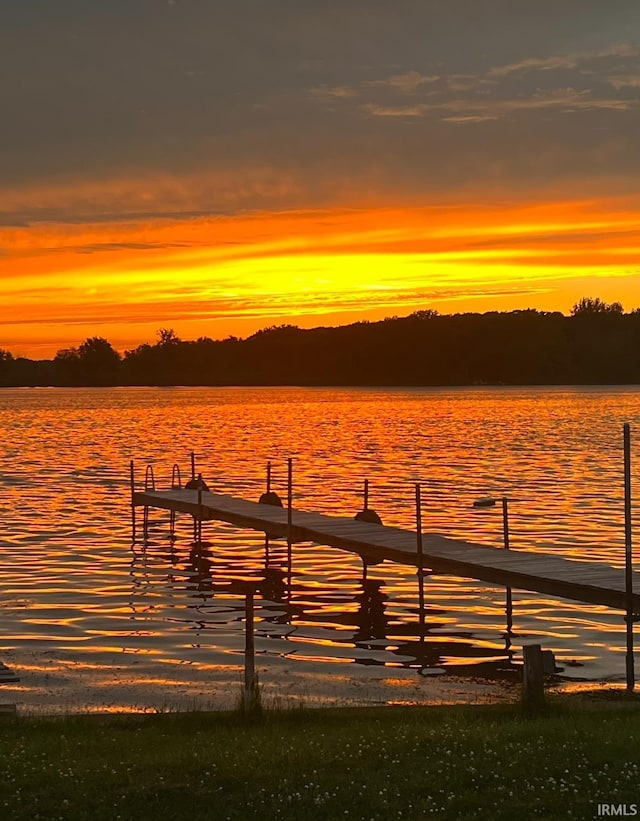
<point>591,582</point>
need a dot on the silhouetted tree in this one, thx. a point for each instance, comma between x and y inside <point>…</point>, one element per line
<point>590,305</point>
<point>167,336</point>
<point>94,362</point>
<point>6,367</point>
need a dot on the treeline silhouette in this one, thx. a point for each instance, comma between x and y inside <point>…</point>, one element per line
<point>597,344</point>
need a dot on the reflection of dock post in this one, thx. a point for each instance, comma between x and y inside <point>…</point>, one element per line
<point>133,507</point>
<point>420,560</point>
<point>629,616</point>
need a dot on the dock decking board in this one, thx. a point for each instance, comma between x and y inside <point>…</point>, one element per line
<point>590,582</point>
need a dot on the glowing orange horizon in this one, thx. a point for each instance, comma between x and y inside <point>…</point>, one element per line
<point>225,275</point>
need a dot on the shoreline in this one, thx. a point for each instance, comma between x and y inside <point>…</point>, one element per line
<point>52,684</point>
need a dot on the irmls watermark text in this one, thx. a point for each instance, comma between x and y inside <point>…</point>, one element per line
<point>617,810</point>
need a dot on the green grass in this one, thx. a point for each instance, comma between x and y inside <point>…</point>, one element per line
<point>406,763</point>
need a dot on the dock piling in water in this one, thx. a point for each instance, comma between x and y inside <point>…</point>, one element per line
<point>199,525</point>
<point>149,484</point>
<point>367,514</point>
<point>250,699</point>
<point>132,482</point>
<point>533,675</point>
<point>249,644</point>
<point>289,522</point>
<point>630,616</point>
<point>420,554</point>
<point>176,484</point>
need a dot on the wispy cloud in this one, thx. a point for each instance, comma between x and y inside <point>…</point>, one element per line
<point>599,80</point>
<point>483,110</point>
<point>407,83</point>
<point>565,61</point>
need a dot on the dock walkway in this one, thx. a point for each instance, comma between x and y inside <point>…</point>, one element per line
<point>590,582</point>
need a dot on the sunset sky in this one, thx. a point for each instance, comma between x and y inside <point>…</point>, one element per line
<point>219,166</point>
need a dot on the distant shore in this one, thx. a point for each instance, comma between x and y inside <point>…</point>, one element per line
<point>596,345</point>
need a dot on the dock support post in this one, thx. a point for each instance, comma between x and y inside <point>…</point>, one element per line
<point>533,675</point>
<point>505,522</point>
<point>505,536</point>
<point>629,618</point>
<point>132,481</point>
<point>193,466</point>
<point>149,482</point>
<point>176,484</point>
<point>366,494</point>
<point>249,645</point>
<point>266,535</point>
<point>289,522</point>
<point>199,523</point>
<point>250,692</point>
<point>420,559</point>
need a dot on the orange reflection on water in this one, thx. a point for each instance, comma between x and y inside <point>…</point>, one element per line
<point>72,583</point>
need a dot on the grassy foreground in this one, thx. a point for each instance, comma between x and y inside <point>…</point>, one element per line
<point>405,763</point>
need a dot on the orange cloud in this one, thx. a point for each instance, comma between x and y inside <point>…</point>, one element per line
<point>233,274</point>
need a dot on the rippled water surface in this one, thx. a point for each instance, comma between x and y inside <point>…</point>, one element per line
<point>70,580</point>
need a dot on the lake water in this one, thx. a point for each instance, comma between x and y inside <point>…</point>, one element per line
<point>71,582</point>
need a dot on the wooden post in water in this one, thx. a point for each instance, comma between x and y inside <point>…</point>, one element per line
<point>631,676</point>
<point>249,646</point>
<point>420,560</point>
<point>149,483</point>
<point>505,522</point>
<point>193,478</point>
<point>199,528</point>
<point>250,692</point>
<point>505,537</point>
<point>366,494</point>
<point>266,535</point>
<point>289,521</point>
<point>533,675</point>
<point>133,507</point>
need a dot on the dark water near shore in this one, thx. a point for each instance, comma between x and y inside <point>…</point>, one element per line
<point>71,582</point>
